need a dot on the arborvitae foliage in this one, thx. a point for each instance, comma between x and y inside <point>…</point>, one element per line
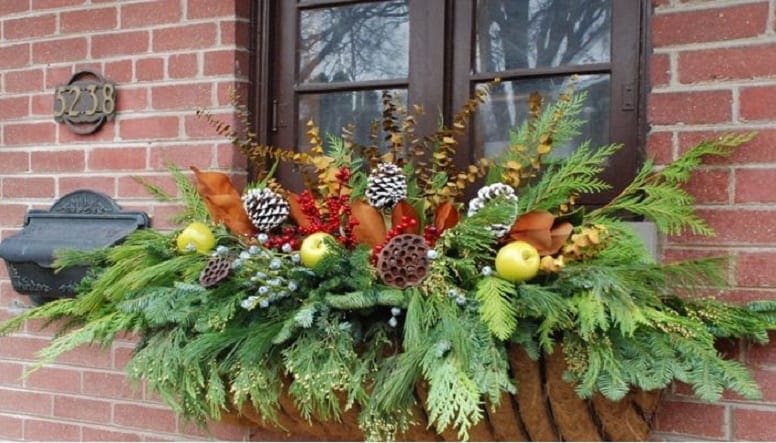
<point>335,338</point>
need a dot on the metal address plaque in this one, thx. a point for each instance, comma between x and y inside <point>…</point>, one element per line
<point>85,102</point>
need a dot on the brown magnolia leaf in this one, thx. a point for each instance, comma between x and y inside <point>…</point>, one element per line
<point>446,216</point>
<point>295,210</point>
<point>534,220</point>
<point>560,234</point>
<point>404,209</point>
<point>534,228</point>
<point>223,201</point>
<point>370,229</point>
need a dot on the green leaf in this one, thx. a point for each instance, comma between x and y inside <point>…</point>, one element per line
<point>495,306</point>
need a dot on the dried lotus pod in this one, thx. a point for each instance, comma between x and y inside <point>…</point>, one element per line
<point>217,269</point>
<point>403,261</point>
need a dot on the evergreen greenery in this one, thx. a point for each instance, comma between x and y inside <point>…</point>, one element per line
<point>335,339</point>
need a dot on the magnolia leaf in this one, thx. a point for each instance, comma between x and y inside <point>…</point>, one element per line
<point>295,210</point>
<point>223,201</point>
<point>446,216</point>
<point>404,209</point>
<point>370,229</point>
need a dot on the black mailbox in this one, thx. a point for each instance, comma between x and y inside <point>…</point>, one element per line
<point>82,220</point>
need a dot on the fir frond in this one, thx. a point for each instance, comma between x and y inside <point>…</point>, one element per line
<point>495,306</point>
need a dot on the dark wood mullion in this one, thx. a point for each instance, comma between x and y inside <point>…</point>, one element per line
<point>511,74</point>
<point>399,83</point>
<point>462,86</point>
<point>427,60</point>
<point>310,4</point>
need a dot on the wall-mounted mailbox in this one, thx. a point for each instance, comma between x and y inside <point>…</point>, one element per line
<point>82,220</point>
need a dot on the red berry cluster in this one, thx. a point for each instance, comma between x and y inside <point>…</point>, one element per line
<point>399,228</point>
<point>431,234</point>
<point>289,235</point>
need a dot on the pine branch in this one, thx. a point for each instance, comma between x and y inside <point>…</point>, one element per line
<point>495,307</point>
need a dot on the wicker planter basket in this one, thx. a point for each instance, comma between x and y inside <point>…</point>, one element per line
<point>545,408</point>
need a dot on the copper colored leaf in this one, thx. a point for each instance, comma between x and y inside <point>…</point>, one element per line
<point>534,220</point>
<point>446,216</point>
<point>295,210</point>
<point>404,209</point>
<point>223,201</point>
<point>370,229</point>
<point>560,233</point>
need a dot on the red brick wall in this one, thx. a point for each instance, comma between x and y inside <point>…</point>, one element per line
<point>713,69</point>
<point>166,57</point>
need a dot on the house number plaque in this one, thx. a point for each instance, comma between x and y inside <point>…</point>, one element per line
<point>85,102</point>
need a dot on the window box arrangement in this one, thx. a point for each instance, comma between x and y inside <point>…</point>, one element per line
<point>381,303</point>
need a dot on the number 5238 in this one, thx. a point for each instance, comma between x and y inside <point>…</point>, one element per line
<point>84,102</point>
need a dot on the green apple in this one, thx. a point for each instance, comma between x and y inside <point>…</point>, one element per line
<point>196,235</point>
<point>314,248</point>
<point>517,261</point>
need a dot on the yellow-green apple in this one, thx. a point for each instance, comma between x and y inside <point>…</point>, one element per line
<point>517,261</point>
<point>196,236</point>
<point>314,248</point>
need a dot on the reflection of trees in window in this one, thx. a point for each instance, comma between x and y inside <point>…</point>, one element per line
<point>364,42</point>
<point>541,33</point>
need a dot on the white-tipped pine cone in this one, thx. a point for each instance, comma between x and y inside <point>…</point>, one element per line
<point>266,209</point>
<point>488,193</point>
<point>386,186</point>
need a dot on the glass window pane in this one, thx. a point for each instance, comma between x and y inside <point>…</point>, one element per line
<point>507,108</point>
<point>354,43</point>
<point>336,110</point>
<point>513,34</point>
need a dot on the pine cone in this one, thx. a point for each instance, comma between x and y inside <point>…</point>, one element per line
<point>488,193</point>
<point>266,209</point>
<point>217,269</point>
<point>386,186</point>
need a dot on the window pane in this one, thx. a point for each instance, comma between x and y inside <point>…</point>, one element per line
<point>513,34</point>
<point>336,110</point>
<point>354,43</point>
<point>507,109</point>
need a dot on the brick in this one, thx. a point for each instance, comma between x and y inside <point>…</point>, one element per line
<point>181,96</point>
<point>12,214</point>
<point>122,355</point>
<point>675,254</point>
<point>149,69</point>
<point>750,424</point>
<point>228,157</point>
<point>57,161</point>
<point>8,7</point>
<point>30,27</point>
<point>144,417</point>
<point>199,128</point>
<point>19,401</point>
<point>28,133</point>
<point>705,25</point>
<point>101,434</point>
<point>182,66</point>
<point>30,80</point>
<point>762,355</point>
<point>11,428</point>
<point>86,356</point>
<point>742,296</point>
<point>14,56</point>
<point>756,269</point>
<point>182,155</point>
<point>10,374</point>
<point>659,70</point>
<point>196,36</point>
<point>88,20</point>
<point>118,72</point>
<point>225,91</point>
<point>106,185</point>
<point>50,4</point>
<point>42,104</point>
<point>129,187</point>
<point>123,43</point>
<point>110,385</point>
<point>709,186</point>
<point>695,419</point>
<point>28,187</point>
<point>150,13</point>
<point>59,50</point>
<point>54,379</point>
<point>209,9</point>
<point>224,62</point>
<point>58,75</point>
<point>758,103</point>
<point>117,159</point>
<point>106,132</point>
<point>134,99</point>
<point>82,409</point>
<point>739,63</point>
<point>690,107</point>
<point>221,431</point>
<point>44,430</point>
<point>235,34</point>
<point>149,128</point>
<point>755,185</point>
<point>162,214</point>
<point>14,107</point>
<point>734,227</point>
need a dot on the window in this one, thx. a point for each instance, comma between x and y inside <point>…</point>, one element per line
<point>330,60</point>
